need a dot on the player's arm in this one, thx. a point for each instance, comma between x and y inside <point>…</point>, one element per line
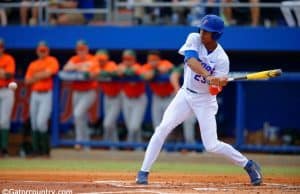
<point>9,71</point>
<point>49,72</point>
<point>174,78</point>
<point>70,66</point>
<point>165,67</point>
<point>94,69</point>
<point>192,60</point>
<point>5,75</point>
<point>29,79</point>
<point>147,74</point>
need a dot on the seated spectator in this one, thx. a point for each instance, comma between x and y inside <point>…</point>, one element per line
<point>255,13</point>
<point>70,18</point>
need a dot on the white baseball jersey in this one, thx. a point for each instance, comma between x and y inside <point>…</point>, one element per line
<point>216,62</point>
<point>204,106</point>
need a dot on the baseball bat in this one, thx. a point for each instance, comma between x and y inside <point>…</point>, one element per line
<point>258,75</point>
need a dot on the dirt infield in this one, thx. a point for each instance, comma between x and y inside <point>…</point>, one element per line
<point>112,182</point>
<point>91,181</point>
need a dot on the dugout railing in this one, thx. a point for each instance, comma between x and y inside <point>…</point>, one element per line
<point>240,124</point>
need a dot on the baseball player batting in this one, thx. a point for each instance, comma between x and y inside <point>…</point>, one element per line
<point>206,65</point>
<point>7,71</point>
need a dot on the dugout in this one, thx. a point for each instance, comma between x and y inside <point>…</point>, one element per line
<point>249,49</point>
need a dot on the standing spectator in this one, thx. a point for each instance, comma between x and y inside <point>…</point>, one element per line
<point>255,13</point>
<point>162,91</point>
<point>133,94</point>
<point>84,92</point>
<point>189,124</point>
<point>112,97</point>
<point>39,77</point>
<point>7,71</point>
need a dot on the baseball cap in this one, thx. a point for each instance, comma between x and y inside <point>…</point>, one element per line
<point>128,53</point>
<point>42,46</point>
<point>102,54</point>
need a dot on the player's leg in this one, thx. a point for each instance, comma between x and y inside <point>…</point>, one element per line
<point>35,134</point>
<point>136,117</point>
<point>205,113</point>
<point>156,110</point>
<point>127,106</point>
<point>43,116</point>
<point>189,130</point>
<point>82,102</point>
<point>7,102</point>
<point>176,113</point>
<point>112,108</point>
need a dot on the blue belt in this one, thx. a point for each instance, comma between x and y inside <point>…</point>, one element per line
<point>190,90</point>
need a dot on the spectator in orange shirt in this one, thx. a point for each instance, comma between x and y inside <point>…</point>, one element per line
<point>84,92</point>
<point>162,91</point>
<point>39,76</point>
<point>7,71</point>
<point>133,94</point>
<point>112,97</point>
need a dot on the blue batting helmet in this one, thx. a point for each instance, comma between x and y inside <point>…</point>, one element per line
<point>214,24</point>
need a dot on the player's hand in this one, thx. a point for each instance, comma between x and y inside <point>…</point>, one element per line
<point>2,73</point>
<point>217,81</point>
<point>121,69</point>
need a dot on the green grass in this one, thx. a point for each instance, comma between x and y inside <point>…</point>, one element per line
<point>133,166</point>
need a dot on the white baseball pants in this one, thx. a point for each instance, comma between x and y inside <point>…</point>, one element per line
<point>204,106</point>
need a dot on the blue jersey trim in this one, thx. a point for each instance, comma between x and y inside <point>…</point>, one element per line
<point>190,54</point>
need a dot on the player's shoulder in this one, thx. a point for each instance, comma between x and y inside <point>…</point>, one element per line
<point>8,56</point>
<point>165,62</point>
<point>111,63</point>
<point>222,55</point>
<point>74,58</point>
<point>34,63</point>
<point>193,36</point>
<point>52,58</point>
<point>91,57</point>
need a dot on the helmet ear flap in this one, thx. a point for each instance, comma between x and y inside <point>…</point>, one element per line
<point>216,35</point>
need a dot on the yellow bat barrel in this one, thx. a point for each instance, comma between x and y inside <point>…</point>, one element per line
<point>264,74</point>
